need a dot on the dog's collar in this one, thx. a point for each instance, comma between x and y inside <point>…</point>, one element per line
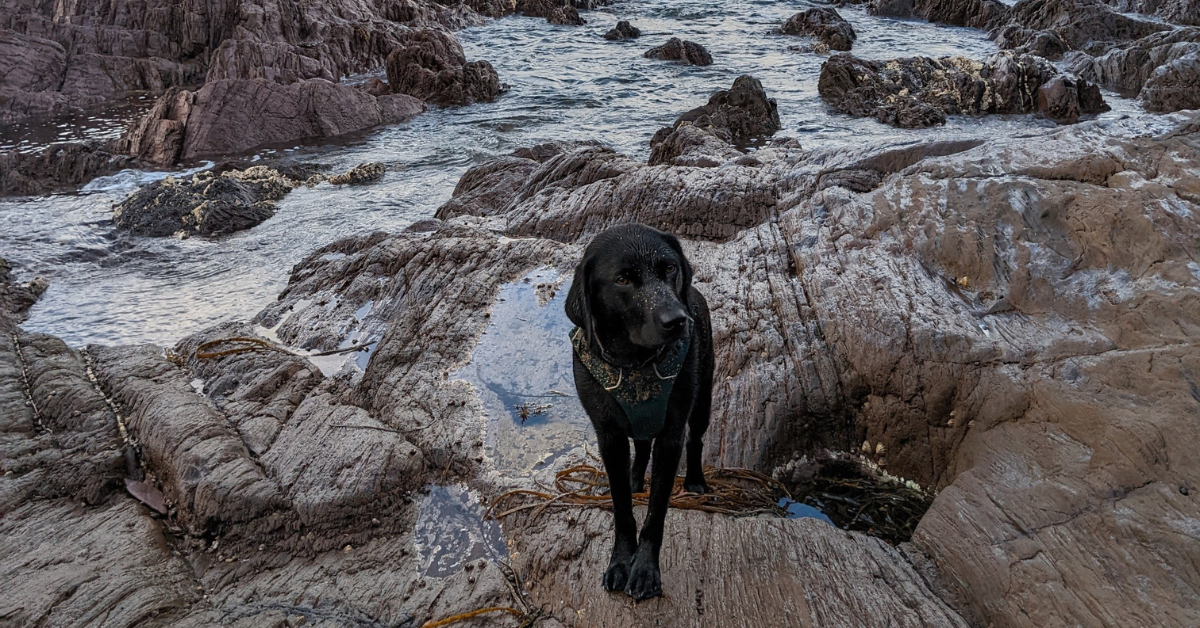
<point>641,391</point>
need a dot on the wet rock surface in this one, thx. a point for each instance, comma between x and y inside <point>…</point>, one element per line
<point>975,13</point>
<point>825,24</point>
<point>706,135</point>
<point>1172,87</point>
<point>623,30</point>
<point>59,167</point>
<point>1027,355</point>
<point>1127,68</point>
<point>1185,12</point>
<point>92,52</point>
<point>1087,25</point>
<point>206,204</point>
<point>919,91</point>
<point>676,49</point>
<point>228,117</point>
<point>430,65</point>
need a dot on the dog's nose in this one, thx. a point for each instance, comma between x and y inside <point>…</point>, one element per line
<point>672,318</point>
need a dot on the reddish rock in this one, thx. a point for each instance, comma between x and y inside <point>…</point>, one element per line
<point>430,65</point>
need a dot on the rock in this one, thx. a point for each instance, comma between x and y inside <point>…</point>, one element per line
<point>206,204</point>
<point>228,117</point>
<point>1045,44</point>
<point>739,115</point>
<point>1063,98</point>
<point>275,61</point>
<point>15,299</point>
<point>1173,87</point>
<point>1126,68</point>
<point>1185,12</point>
<point>974,13</point>
<point>1016,433</point>
<point>565,15</point>
<point>1028,354</point>
<point>430,65</point>
<point>688,52</point>
<point>157,137</point>
<point>623,30</point>
<point>826,577</point>
<point>824,24</point>
<point>360,174</point>
<point>693,144</point>
<point>919,91</point>
<point>64,563</point>
<point>59,167</point>
<point>97,52</point>
<point>1087,25</point>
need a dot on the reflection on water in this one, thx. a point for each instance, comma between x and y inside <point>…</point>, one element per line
<point>521,370</point>
<point>566,83</point>
<point>451,532</point>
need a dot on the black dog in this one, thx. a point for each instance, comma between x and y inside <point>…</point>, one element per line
<point>643,369</point>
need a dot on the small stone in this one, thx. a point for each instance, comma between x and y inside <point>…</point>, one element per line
<point>347,548</point>
<point>1183,490</point>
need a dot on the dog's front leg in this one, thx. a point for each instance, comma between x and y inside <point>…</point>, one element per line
<point>614,451</point>
<point>644,579</point>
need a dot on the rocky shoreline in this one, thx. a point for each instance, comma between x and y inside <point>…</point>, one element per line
<point>1008,322</point>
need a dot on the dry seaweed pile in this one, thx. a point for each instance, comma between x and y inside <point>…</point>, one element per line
<point>737,492</point>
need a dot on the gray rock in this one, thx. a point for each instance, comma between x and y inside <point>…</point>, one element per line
<point>740,115</point>
<point>205,204</point>
<point>58,167</point>
<point>824,24</point>
<point>919,91</point>
<point>675,49</point>
<point>1173,86</point>
<point>623,30</point>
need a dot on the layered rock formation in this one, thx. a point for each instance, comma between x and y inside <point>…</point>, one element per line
<point>1018,372</point>
<point>825,24</point>
<point>1185,12</point>
<point>1165,58</point>
<point>1029,354</point>
<point>675,49</point>
<point>920,92</point>
<point>91,52</point>
<point>228,117</point>
<point>430,65</point>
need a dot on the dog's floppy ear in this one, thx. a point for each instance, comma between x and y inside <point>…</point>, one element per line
<point>579,300</point>
<point>685,271</point>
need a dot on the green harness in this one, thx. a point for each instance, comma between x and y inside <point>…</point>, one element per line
<point>642,392</point>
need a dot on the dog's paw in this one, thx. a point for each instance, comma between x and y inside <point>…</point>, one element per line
<point>616,577</point>
<point>644,581</point>
<point>699,487</point>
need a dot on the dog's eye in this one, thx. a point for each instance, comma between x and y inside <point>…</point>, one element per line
<point>622,280</point>
<point>670,268</point>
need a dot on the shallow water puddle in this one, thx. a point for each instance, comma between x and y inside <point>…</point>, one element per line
<point>355,362</point>
<point>451,532</point>
<point>521,370</point>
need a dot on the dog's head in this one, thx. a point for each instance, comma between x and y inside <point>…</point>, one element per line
<point>631,290</point>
